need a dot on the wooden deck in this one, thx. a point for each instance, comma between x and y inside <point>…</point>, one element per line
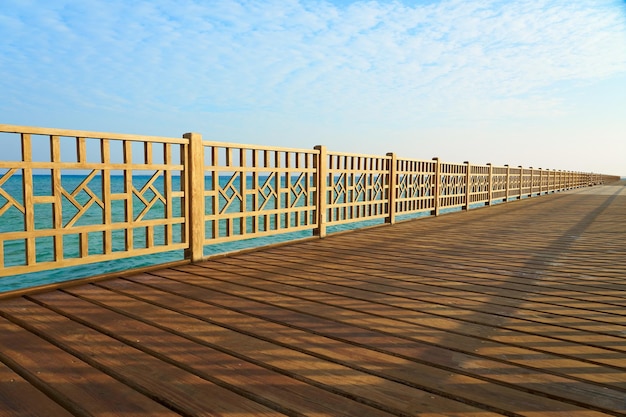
<point>516,310</point>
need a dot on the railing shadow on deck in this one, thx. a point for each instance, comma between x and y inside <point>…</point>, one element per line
<point>419,308</point>
<point>72,198</point>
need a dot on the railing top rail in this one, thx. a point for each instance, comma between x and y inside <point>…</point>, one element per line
<point>87,134</point>
<point>458,163</point>
<point>358,155</point>
<point>399,158</point>
<point>259,147</point>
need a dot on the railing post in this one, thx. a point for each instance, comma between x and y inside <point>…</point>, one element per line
<point>521,185</point>
<point>490,186</point>
<point>195,197</point>
<point>468,179</point>
<point>437,185</point>
<point>320,183</point>
<point>530,192</point>
<point>393,188</point>
<point>508,183</point>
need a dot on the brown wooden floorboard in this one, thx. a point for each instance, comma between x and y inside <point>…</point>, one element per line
<point>515,310</point>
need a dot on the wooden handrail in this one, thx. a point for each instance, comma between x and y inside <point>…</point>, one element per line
<point>145,201</point>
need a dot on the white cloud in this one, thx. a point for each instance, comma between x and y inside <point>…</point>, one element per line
<point>367,62</point>
<point>241,54</point>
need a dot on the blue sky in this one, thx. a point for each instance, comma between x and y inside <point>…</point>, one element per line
<point>531,82</point>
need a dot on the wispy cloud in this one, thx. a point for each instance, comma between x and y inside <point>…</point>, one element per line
<point>392,62</point>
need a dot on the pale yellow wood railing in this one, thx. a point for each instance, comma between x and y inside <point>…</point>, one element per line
<point>62,215</point>
<point>111,196</point>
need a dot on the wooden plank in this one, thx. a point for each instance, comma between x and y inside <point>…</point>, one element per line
<point>335,323</point>
<point>475,282</point>
<point>303,264</point>
<point>309,342</point>
<point>374,262</point>
<point>284,260</point>
<point>436,314</point>
<point>467,315</point>
<point>65,378</point>
<point>18,398</point>
<point>233,372</point>
<point>259,358</point>
<point>129,361</point>
<point>316,359</point>
<point>173,387</point>
<point>400,323</point>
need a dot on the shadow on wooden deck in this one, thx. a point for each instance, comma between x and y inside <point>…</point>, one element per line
<point>514,310</point>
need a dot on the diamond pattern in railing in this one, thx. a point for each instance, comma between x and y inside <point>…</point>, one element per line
<point>298,190</point>
<point>267,191</point>
<point>230,193</point>
<point>339,189</point>
<point>10,200</point>
<point>149,195</point>
<point>378,187</point>
<point>80,193</point>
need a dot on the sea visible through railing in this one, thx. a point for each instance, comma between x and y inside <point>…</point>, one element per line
<point>13,220</point>
<point>76,204</point>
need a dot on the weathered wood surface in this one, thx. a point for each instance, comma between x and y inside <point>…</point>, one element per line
<point>516,310</point>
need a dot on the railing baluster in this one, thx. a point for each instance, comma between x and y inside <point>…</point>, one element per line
<point>468,185</point>
<point>437,186</point>
<point>392,190</point>
<point>321,190</point>
<point>29,206</point>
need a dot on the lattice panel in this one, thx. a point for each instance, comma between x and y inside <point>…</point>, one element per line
<point>479,183</point>
<point>499,183</point>
<point>452,185</point>
<point>79,201</point>
<point>526,181</point>
<point>537,180</point>
<point>552,180</point>
<point>256,191</point>
<point>515,183</point>
<point>415,181</point>
<point>545,180</point>
<point>357,188</point>
<point>75,199</point>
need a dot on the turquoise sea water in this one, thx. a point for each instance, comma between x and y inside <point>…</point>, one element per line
<point>13,220</point>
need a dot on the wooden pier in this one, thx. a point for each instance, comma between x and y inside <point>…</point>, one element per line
<point>518,309</point>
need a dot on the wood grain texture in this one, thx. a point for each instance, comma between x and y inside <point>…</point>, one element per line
<point>514,310</point>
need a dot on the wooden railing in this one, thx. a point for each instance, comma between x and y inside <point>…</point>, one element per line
<point>104,197</point>
<point>71,197</point>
